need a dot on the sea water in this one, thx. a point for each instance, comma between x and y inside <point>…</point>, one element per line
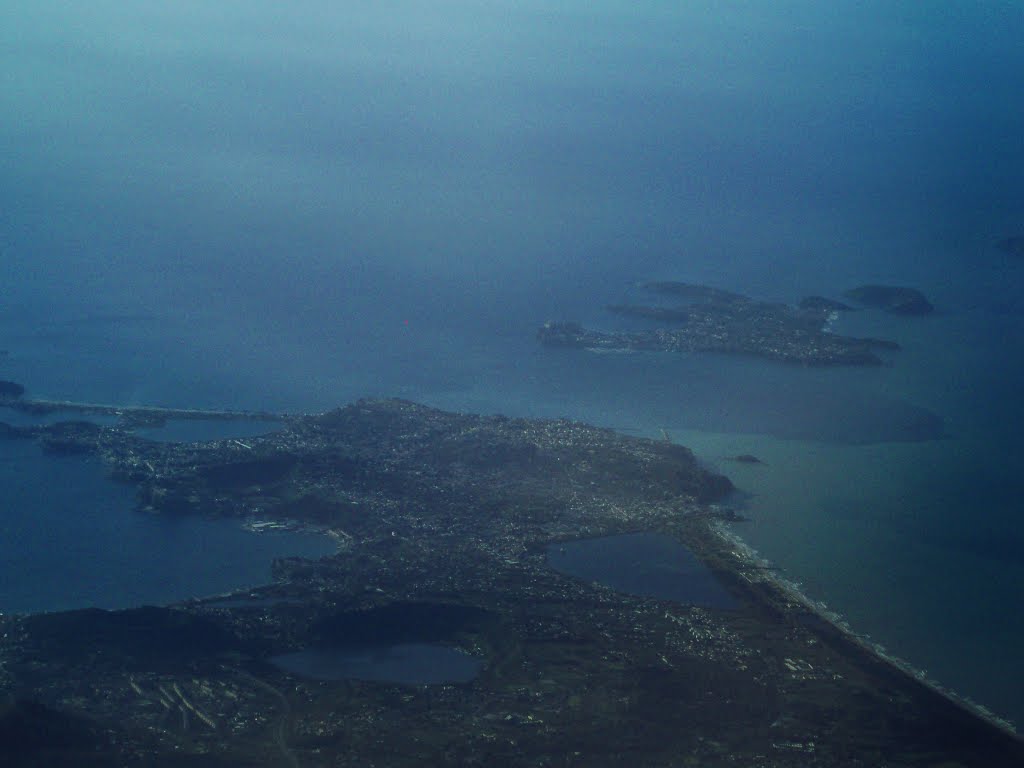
<point>919,544</point>
<point>72,538</point>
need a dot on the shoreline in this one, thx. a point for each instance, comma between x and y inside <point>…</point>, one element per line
<point>743,552</point>
<point>778,675</point>
<point>44,406</point>
<point>792,594</point>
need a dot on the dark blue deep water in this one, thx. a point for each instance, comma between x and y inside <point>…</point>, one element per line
<point>288,206</point>
<point>71,538</point>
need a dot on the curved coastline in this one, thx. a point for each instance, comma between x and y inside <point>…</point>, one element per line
<point>405,485</point>
<point>791,591</point>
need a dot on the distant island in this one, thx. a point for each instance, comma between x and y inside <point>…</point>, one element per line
<point>9,390</point>
<point>715,320</point>
<point>898,300</point>
<point>1014,246</point>
<point>444,522</point>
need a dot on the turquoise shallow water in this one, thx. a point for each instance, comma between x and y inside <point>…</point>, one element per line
<point>410,663</point>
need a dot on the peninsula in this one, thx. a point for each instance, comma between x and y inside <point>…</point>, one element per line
<point>444,522</point>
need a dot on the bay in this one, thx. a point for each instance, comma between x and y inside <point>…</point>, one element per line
<point>71,538</point>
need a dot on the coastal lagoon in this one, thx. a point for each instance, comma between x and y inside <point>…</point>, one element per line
<point>646,564</point>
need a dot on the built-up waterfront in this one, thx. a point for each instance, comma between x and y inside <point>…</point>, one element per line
<point>447,519</point>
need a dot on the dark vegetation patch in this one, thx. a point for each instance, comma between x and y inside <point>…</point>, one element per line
<point>32,734</point>
<point>670,471</point>
<point>480,450</point>
<point>241,474</point>
<point>404,622</point>
<point>144,637</point>
<point>70,437</point>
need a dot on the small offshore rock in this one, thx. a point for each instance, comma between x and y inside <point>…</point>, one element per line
<point>896,299</point>
<point>10,390</point>
<point>747,458</point>
<point>1012,245</point>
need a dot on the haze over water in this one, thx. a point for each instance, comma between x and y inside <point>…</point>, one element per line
<point>262,205</point>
